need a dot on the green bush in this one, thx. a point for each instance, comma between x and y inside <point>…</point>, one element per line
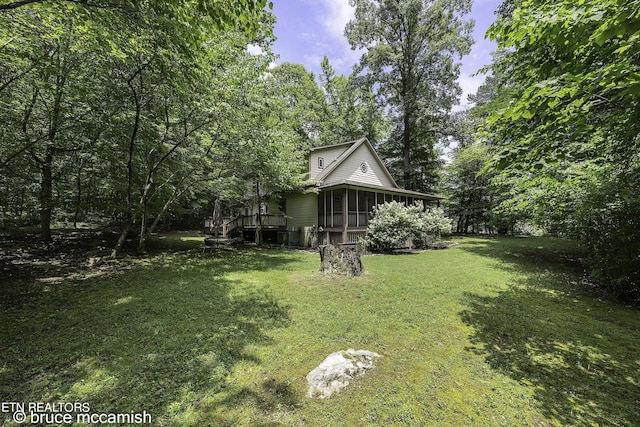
<point>433,224</point>
<point>608,223</point>
<point>395,225</point>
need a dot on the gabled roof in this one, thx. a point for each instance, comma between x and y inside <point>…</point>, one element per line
<point>350,147</point>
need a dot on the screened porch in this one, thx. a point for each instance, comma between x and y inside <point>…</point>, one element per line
<point>348,207</point>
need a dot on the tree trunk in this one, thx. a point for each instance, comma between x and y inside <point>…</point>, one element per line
<point>343,260</point>
<point>76,214</point>
<point>143,231</point>
<point>123,236</point>
<point>406,151</point>
<point>46,202</point>
<point>258,238</point>
<point>144,204</point>
<point>132,141</point>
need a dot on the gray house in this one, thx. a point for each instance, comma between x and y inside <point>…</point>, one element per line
<point>349,179</point>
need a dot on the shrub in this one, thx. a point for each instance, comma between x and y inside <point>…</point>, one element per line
<point>395,225</point>
<point>392,225</point>
<point>433,224</point>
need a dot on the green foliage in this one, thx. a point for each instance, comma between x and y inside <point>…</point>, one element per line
<point>129,113</point>
<point>395,225</point>
<point>567,142</point>
<point>469,198</point>
<point>433,224</point>
<point>350,110</point>
<point>300,101</point>
<point>335,109</point>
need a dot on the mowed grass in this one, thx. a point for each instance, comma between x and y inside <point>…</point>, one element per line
<point>490,332</point>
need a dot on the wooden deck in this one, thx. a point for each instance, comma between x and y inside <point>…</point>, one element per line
<point>243,222</point>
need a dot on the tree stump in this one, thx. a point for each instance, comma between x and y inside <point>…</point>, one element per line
<point>343,259</point>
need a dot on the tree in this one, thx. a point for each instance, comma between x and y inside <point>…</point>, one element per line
<point>350,110</point>
<point>301,100</point>
<point>48,97</point>
<point>411,48</point>
<point>569,137</point>
<point>108,88</point>
<point>470,200</point>
<point>226,15</point>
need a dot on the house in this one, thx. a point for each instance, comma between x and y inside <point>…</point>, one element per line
<point>349,179</point>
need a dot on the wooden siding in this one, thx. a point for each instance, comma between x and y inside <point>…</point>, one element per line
<point>302,210</point>
<point>329,155</point>
<point>349,169</point>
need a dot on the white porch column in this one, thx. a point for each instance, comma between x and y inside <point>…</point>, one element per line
<point>345,215</point>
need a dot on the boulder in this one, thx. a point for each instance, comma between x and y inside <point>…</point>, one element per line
<point>337,370</point>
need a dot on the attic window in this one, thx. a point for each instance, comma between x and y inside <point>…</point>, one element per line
<point>363,167</point>
<point>320,162</point>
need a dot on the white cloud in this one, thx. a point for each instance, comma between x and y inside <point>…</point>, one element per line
<point>338,13</point>
<point>254,49</point>
<point>469,84</point>
<point>312,61</point>
<point>333,16</point>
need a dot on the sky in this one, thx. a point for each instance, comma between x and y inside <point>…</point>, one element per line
<point>307,30</point>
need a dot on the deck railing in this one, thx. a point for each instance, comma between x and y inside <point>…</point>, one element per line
<point>251,221</point>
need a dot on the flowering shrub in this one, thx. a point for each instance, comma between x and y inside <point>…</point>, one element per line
<point>433,224</point>
<point>395,225</point>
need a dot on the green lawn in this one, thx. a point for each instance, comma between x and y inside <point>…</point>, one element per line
<point>490,332</point>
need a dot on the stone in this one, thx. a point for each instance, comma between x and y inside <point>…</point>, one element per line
<point>338,370</point>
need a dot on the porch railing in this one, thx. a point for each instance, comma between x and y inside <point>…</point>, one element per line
<point>251,221</point>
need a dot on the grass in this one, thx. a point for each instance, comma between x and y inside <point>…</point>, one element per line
<point>490,332</point>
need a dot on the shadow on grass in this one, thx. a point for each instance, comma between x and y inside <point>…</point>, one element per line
<point>580,356</point>
<point>161,337</point>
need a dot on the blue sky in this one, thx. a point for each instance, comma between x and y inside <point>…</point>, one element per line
<point>307,30</point>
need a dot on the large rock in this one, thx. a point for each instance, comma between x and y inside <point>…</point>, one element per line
<point>337,370</point>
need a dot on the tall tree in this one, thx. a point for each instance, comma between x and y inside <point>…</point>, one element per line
<point>48,95</point>
<point>300,100</point>
<point>350,110</point>
<point>411,48</point>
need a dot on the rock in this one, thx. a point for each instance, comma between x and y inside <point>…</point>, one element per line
<point>337,370</point>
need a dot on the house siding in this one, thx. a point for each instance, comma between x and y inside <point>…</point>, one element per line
<point>302,210</point>
<point>329,155</point>
<point>271,204</point>
<point>349,170</point>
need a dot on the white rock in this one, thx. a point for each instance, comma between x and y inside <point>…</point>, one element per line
<point>337,370</point>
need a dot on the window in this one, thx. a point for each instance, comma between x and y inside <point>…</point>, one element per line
<point>320,162</point>
<point>363,167</point>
